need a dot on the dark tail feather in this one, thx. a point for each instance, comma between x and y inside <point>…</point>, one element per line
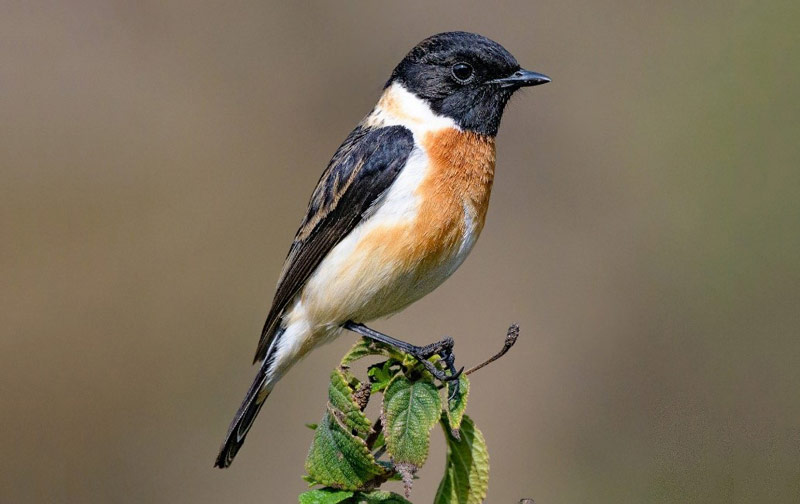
<point>244,418</point>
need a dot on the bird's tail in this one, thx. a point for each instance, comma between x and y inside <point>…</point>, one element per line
<point>256,395</point>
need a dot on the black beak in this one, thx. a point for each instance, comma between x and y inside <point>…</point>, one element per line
<point>521,78</point>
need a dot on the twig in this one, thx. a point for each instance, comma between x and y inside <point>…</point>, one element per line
<point>377,427</point>
<point>511,338</point>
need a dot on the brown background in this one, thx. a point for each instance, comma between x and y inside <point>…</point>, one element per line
<point>156,158</point>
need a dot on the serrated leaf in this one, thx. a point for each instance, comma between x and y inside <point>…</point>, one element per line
<point>381,497</point>
<point>466,478</point>
<point>458,405</point>
<point>344,405</point>
<point>325,496</point>
<point>410,410</point>
<point>339,459</point>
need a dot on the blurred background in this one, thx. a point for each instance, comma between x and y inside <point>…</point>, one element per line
<point>157,157</point>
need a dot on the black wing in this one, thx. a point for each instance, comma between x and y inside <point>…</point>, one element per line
<point>361,171</point>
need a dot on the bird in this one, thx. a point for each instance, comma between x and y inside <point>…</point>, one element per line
<point>397,210</point>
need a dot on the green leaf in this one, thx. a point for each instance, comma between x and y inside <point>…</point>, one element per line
<point>457,405</point>
<point>410,410</point>
<point>381,497</point>
<point>381,374</point>
<point>325,496</point>
<point>466,477</point>
<point>339,459</point>
<point>345,407</point>
<point>411,363</point>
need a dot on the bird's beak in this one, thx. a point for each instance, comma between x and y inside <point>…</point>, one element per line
<point>521,78</point>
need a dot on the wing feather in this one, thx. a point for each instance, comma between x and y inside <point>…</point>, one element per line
<point>360,172</point>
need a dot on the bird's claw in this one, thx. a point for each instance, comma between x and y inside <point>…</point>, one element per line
<point>443,349</point>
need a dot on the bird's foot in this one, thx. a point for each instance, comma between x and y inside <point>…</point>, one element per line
<point>443,348</point>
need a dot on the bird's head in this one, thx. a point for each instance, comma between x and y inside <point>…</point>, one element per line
<point>464,76</point>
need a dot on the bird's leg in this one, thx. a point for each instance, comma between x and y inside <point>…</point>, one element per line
<point>443,348</point>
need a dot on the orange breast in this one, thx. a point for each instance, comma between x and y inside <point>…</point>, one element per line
<point>459,182</point>
<point>453,198</point>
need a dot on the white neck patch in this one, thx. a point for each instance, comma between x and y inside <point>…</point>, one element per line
<point>399,106</point>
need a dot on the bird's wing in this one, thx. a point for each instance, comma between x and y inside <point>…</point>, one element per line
<point>357,177</point>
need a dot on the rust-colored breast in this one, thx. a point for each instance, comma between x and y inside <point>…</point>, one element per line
<point>456,189</point>
<point>453,198</point>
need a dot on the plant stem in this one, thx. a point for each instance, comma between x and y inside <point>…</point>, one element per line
<point>511,338</point>
<point>377,427</point>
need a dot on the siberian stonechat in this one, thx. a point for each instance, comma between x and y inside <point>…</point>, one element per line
<point>397,210</point>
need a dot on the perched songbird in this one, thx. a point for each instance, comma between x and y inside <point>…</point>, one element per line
<point>395,213</point>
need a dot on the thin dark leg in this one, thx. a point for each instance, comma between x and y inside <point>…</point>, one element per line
<point>443,348</point>
<point>383,338</point>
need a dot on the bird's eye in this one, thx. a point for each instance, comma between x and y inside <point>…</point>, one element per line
<point>462,72</point>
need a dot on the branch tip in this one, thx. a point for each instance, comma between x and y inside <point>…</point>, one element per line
<point>511,338</point>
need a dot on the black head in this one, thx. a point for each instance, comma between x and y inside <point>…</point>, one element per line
<point>464,76</point>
